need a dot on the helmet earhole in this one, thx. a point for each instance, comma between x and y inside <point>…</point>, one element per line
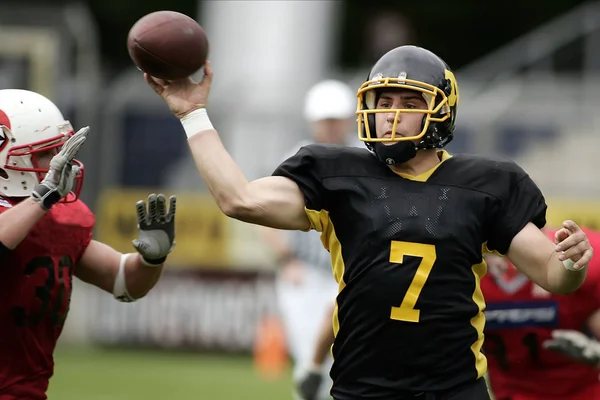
<point>448,88</point>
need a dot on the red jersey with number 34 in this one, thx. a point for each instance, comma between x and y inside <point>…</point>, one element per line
<point>520,316</point>
<point>36,282</point>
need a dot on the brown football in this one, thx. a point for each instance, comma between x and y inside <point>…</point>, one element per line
<point>167,45</point>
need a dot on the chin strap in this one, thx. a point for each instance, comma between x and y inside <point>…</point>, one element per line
<point>397,153</point>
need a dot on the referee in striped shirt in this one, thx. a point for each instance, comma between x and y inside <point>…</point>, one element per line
<point>305,285</point>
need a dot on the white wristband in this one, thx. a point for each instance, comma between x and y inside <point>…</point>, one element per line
<point>120,288</point>
<point>569,265</point>
<point>195,122</point>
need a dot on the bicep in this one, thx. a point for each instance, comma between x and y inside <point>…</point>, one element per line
<point>530,251</point>
<point>99,265</point>
<point>275,202</point>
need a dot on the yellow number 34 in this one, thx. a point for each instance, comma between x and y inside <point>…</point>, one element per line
<point>407,311</point>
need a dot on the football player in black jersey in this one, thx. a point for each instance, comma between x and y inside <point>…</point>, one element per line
<point>406,224</point>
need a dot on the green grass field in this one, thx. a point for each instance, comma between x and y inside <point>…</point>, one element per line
<point>98,374</point>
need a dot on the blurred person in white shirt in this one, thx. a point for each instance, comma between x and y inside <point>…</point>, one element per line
<point>305,287</point>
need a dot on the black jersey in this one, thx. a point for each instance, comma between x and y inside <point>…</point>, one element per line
<point>407,254</point>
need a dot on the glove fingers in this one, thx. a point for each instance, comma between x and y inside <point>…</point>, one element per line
<point>58,163</point>
<point>73,149</point>
<point>69,177</point>
<point>161,207</point>
<point>62,159</point>
<point>83,132</point>
<point>68,150</point>
<point>74,143</point>
<point>152,208</point>
<point>140,208</point>
<point>156,230</point>
<point>64,180</point>
<point>172,204</point>
<point>75,171</point>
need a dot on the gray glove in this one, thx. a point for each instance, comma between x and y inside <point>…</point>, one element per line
<point>308,386</point>
<point>59,180</point>
<point>575,345</point>
<point>156,228</point>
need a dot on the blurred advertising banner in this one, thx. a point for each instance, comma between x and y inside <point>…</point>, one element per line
<point>586,213</point>
<point>194,309</point>
<point>202,237</point>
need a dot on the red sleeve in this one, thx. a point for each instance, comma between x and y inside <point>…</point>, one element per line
<point>78,220</point>
<point>85,241</point>
<point>77,216</point>
<point>86,222</point>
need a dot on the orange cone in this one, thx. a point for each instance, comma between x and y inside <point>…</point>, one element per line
<point>270,350</point>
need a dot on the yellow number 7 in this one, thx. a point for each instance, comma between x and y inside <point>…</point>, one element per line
<point>407,311</point>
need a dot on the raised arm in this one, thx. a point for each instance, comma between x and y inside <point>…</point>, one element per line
<point>16,222</point>
<point>131,276</point>
<point>272,201</point>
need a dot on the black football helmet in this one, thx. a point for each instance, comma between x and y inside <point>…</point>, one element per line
<point>411,68</point>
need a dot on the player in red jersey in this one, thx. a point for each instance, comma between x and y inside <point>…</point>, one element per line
<point>521,320</point>
<point>46,239</point>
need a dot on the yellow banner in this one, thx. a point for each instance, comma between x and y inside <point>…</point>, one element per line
<point>201,237</point>
<point>585,213</point>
